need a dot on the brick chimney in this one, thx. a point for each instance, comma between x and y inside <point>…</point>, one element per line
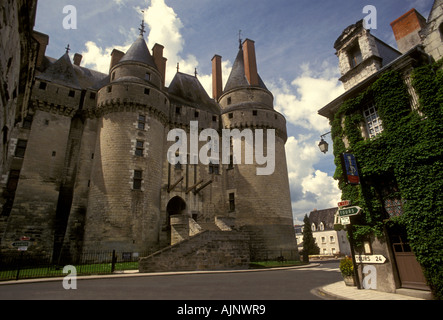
<point>250,62</point>
<point>160,61</point>
<point>116,56</point>
<point>217,85</point>
<point>43,41</point>
<point>406,30</point>
<point>77,59</point>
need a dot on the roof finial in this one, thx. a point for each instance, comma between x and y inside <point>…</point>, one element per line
<point>239,39</point>
<point>142,28</point>
<point>67,49</point>
<point>178,67</point>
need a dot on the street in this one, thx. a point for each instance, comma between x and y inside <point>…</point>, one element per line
<point>286,284</point>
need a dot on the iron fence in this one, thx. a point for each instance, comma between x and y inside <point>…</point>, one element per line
<point>26,265</point>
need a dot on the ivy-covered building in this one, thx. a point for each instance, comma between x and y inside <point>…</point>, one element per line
<point>390,120</point>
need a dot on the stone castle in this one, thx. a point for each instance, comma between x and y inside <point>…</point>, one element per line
<point>86,165</point>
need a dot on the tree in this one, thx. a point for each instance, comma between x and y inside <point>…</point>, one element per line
<point>309,245</point>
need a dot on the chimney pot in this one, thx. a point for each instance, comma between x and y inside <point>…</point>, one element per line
<point>116,56</point>
<point>250,62</point>
<point>216,77</point>
<point>159,60</point>
<point>406,30</point>
<point>77,59</point>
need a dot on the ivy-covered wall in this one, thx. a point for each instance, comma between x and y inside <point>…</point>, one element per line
<point>409,152</point>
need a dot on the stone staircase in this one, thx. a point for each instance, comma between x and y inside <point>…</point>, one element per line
<point>211,245</point>
<point>207,250</point>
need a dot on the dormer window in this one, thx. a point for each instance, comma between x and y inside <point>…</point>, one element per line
<point>313,228</point>
<point>355,57</point>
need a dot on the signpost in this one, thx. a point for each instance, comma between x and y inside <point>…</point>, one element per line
<point>376,258</point>
<point>349,211</point>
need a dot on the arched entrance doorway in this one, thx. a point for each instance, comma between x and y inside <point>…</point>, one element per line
<point>175,206</point>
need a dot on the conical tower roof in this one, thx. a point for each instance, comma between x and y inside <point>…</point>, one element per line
<point>237,78</point>
<point>139,52</point>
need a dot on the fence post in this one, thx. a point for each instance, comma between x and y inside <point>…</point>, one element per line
<point>114,260</point>
<point>20,261</point>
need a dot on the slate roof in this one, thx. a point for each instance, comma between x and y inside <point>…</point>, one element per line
<point>237,77</point>
<point>188,90</point>
<point>139,52</point>
<point>326,216</point>
<point>63,72</point>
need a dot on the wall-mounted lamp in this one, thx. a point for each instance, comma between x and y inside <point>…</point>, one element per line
<point>323,145</point>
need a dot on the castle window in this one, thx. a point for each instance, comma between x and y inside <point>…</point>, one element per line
<point>139,148</point>
<point>109,89</point>
<point>254,112</point>
<point>147,91</point>
<point>196,114</point>
<point>42,85</point>
<point>231,115</point>
<point>331,239</point>
<point>138,178</point>
<point>231,202</point>
<point>178,110</point>
<point>27,122</point>
<point>141,122</point>
<point>54,153</point>
<point>214,118</point>
<point>231,162</point>
<point>113,76</point>
<point>355,56</point>
<point>229,100</point>
<point>21,148</point>
<point>214,168</point>
<point>147,76</point>
<point>71,93</point>
<point>92,95</point>
<point>373,121</point>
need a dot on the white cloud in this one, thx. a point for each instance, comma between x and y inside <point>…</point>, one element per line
<point>300,100</point>
<point>310,188</point>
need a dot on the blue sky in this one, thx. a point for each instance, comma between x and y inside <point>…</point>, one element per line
<point>295,56</point>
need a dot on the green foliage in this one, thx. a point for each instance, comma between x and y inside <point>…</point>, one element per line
<point>346,267</point>
<point>309,245</point>
<point>409,152</point>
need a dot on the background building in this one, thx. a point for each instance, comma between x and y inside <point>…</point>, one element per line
<point>330,241</point>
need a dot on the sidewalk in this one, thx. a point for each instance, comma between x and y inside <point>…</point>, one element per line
<point>339,290</point>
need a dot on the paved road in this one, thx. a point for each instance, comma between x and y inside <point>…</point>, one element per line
<point>288,284</point>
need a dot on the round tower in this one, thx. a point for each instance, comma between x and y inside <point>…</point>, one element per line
<point>126,175</point>
<point>259,200</point>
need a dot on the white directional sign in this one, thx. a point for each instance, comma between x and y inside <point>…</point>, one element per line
<point>376,258</point>
<point>345,220</point>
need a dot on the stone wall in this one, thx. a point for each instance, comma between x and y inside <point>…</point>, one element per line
<point>209,250</point>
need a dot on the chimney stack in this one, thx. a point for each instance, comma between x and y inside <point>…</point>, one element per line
<point>217,80</point>
<point>116,56</point>
<point>77,59</point>
<point>406,30</point>
<point>43,41</point>
<point>250,62</point>
<point>160,61</point>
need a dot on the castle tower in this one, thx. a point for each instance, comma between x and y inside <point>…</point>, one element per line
<point>260,204</point>
<point>124,197</point>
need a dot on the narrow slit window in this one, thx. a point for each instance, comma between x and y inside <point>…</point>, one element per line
<point>138,178</point>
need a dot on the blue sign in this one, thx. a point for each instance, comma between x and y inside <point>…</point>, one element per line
<point>350,168</point>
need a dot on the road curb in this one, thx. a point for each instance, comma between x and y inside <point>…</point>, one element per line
<point>135,273</point>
